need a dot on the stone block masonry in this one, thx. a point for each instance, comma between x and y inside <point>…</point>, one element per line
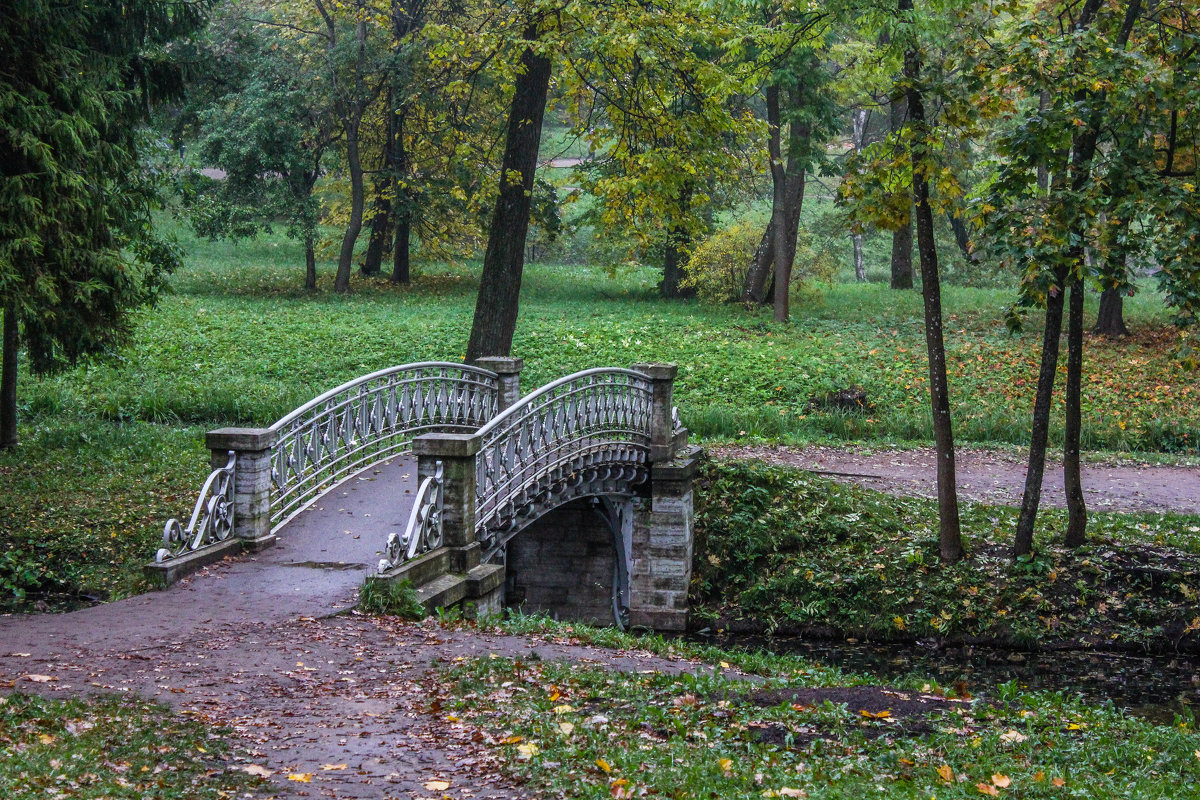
<point>562,565</point>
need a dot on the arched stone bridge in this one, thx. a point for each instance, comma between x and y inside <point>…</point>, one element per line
<point>575,499</point>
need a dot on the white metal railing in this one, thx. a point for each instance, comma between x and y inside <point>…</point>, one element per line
<point>212,516</point>
<point>368,419</point>
<point>591,419</point>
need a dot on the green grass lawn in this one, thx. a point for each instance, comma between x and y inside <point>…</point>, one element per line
<point>801,730</point>
<point>115,446</point>
<point>108,747</point>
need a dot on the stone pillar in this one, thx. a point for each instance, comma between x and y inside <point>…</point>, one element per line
<point>457,453</point>
<point>661,568</point>
<point>662,426</point>
<point>251,481</point>
<point>509,372</point>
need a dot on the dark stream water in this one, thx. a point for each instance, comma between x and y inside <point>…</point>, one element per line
<point>1156,687</point>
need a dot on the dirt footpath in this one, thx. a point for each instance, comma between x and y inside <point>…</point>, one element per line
<point>345,700</point>
<point>987,476</point>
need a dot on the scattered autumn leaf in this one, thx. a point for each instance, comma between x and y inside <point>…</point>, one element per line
<point>331,767</point>
<point>566,728</point>
<point>512,740</point>
<point>300,777</point>
<point>255,769</point>
<point>604,765</point>
<point>788,791</point>
<point>1003,781</point>
<point>987,788</point>
<point>563,709</point>
<point>1012,737</point>
<point>437,786</point>
<point>876,714</point>
<point>41,678</point>
<point>726,764</point>
<point>1059,782</point>
<point>945,773</point>
<point>527,750</point>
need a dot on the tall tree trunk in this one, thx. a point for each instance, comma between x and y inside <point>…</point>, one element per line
<point>856,244</point>
<point>1023,543</point>
<point>961,238</point>
<point>754,291</point>
<point>949,527</point>
<point>380,232</point>
<point>403,207</point>
<point>1083,149</point>
<point>8,381</point>
<point>341,281</point>
<point>672,268</point>
<point>1072,481</point>
<point>859,139</point>
<point>310,262</point>
<point>401,247</point>
<point>902,261</point>
<point>902,237</point>
<point>1110,321</point>
<point>500,284</point>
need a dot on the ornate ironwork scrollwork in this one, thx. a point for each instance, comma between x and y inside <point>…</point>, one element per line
<point>567,437</point>
<point>424,530</point>
<point>212,517</point>
<point>369,419</point>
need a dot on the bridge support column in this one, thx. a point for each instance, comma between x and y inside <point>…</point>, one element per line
<point>660,570</point>
<point>662,423</point>
<point>509,372</point>
<point>468,580</point>
<point>251,481</point>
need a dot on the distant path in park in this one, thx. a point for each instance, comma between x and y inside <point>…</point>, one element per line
<point>988,476</point>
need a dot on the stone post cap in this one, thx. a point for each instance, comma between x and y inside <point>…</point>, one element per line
<point>501,365</point>
<point>657,371</point>
<point>447,445</point>
<point>241,439</point>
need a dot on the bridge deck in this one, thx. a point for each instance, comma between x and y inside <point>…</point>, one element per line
<point>314,569</point>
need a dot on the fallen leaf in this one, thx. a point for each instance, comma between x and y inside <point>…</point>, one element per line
<point>1003,781</point>
<point>45,738</point>
<point>527,750</point>
<point>602,764</point>
<point>787,791</point>
<point>437,786</point>
<point>987,788</point>
<point>1059,782</point>
<point>566,728</point>
<point>512,740</point>
<point>1012,737</point>
<point>300,777</point>
<point>1039,776</point>
<point>876,714</point>
<point>41,678</point>
<point>945,773</point>
<point>331,767</point>
<point>726,764</point>
<point>255,769</point>
<point>563,709</point>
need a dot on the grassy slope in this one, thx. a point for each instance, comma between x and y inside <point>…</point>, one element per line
<point>115,446</point>
<point>783,548</point>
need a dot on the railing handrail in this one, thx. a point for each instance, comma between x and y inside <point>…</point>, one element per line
<point>521,405</point>
<point>324,397</point>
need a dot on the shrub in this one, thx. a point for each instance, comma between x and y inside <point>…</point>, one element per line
<point>718,266</point>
